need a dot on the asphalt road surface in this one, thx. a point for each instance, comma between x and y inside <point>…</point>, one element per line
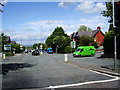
<point>51,71</point>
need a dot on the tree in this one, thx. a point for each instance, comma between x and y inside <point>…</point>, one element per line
<point>3,41</point>
<point>109,37</point>
<point>85,40</point>
<point>16,47</point>
<point>109,43</point>
<point>108,12</point>
<point>84,28</point>
<point>58,31</point>
<point>58,38</point>
<point>38,45</point>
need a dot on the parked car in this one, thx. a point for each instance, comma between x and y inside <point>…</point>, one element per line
<point>35,52</point>
<point>84,51</point>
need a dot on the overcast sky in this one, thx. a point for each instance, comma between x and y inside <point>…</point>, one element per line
<point>32,22</point>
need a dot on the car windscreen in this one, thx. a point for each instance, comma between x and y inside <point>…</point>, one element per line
<point>77,50</point>
<point>80,50</point>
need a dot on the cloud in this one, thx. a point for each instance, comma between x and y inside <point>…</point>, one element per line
<point>33,32</point>
<point>91,7</point>
<point>62,4</point>
<point>65,4</point>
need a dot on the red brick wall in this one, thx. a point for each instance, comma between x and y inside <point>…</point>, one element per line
<point>99,38</point>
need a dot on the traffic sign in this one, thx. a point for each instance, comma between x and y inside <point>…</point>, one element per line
<point>73,44</point>
<point>7,47</point>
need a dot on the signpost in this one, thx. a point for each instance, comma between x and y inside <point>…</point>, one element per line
<point>73,44</point>
<point>7,47</point>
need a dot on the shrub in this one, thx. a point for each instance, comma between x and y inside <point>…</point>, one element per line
<point>109,43</point>
<point>67,49</point>
<point>9,54</point>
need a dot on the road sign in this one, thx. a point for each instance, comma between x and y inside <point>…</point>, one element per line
<point>73,44</point>
<point>7,47</point>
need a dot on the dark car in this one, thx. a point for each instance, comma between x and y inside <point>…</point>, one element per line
<point>35,52</point>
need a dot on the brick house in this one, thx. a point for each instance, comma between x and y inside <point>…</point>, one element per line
<point>98,35</point>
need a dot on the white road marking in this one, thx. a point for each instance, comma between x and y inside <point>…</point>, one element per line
<point>84,83</point>
<point>104,74</point>
<point>90,82</point>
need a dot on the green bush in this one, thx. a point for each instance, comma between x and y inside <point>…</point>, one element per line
<point>67,49</point>
<point>95,45</point>
<point>109,43</point>
<point>9,54</point>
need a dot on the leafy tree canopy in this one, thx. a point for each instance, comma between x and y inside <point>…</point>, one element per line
<point>58,38</point>
<point>85,40</point>
<point>84,28</point>
<point>38,45</point>
<point>108,12</point>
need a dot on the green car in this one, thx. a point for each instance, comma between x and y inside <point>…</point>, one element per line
<point>84,51</point>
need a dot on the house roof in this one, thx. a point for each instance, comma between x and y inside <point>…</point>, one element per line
<point>13,42</point>
<point>94,32</point>
<point>88,33</point>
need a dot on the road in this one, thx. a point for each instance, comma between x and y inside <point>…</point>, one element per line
<point>51,71</point>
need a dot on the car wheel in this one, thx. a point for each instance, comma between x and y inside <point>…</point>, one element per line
<point>93,55</point>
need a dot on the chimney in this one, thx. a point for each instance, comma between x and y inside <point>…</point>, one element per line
<point>98,28</point>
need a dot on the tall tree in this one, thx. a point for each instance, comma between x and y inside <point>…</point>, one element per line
<point>108,12</point>
<point>109,37</point>
<point>85,40</point>
<point>58,38</point>
<point>84,28</point>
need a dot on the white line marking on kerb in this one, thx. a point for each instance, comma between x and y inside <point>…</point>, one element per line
<point>84,83</point>
<point>105,74</point>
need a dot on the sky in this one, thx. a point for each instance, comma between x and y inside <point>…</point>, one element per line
<point>32,22</point>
